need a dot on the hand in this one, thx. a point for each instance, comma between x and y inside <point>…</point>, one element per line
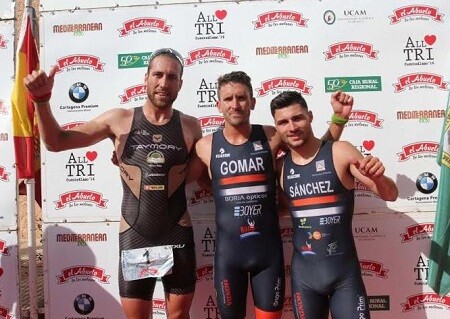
<point>39,84</point>
<point>342,104</point>
<point>370,167</point>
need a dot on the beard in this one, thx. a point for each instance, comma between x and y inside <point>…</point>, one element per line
<point>162,103</point>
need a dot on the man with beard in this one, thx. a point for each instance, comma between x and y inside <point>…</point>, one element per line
<point>318,179</point>
<point>240,160</point>
<point>152,145</point>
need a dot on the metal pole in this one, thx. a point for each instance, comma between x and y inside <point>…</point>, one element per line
<point>30,186</point>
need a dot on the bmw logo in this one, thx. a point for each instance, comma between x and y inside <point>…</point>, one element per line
<point>78,92</point>
<point>426,183</point>
<point>84,304</point>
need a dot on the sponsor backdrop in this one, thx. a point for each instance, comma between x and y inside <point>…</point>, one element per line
<point>9,260</point>
<point>393,58</point>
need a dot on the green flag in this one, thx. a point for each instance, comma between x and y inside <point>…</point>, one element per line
<point>439,272</point>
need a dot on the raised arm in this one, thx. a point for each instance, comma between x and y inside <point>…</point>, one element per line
<point>342,104</point>
<point>368,170</point>
<point>39,86</point>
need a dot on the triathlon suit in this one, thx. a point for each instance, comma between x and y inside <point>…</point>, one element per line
<point>248,237</point>
<point>153,178</point>
<point>325,270</point>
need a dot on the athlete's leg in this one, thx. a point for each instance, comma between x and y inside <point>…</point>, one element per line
<point>179,286</point>
<point>268,286</point>
<point>137,308</point>
<point>178,305</point>
<point>231,290</point>
<point>261,314</point>
<point>349,301</point>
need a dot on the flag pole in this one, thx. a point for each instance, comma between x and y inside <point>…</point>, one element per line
<point>31,217</point>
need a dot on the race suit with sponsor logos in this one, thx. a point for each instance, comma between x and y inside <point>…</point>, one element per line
<point>325,271</point>
<point>153,171</point>
<point>248,240</point>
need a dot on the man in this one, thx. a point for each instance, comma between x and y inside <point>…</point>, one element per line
<point>319,179</point>
<point>240,160</point>
<point>152,144</point>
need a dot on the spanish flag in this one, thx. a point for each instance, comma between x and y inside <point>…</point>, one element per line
<point>439,272</point>
<point>26,135</point>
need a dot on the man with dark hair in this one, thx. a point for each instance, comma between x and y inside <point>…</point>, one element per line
<point>318,179</point>
<point>240,160</point>
<point>152,145</point>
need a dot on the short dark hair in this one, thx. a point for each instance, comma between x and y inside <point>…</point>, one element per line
<point>235,77</point>
<point>167,52</point>
<point>285,99</point>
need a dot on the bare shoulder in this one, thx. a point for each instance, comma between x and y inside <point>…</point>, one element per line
<point>205,141</point>
<point>188,119</point>
<point>273,137</point>
<point>203,148</point>
<point>269,130</point>
<point>191,129</point>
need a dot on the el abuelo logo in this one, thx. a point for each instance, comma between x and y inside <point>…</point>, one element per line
<point>81,198</point>
<point>144,25</point>
<point>279,84</point>
<point>364,118</point>
<point>280,18</point>
<point>211,55</point>
<point>133,60</point>
<point>4,175</point>
<point>418,150</point>
<point>135,93</point>
<point>210,124</point>
<point>416,12</point>
<point>78,62</point>
<point>417,231</point>
<point>351,49</point>
<point>353,84</point>
<point>420,80</point>
<point>3,42</point>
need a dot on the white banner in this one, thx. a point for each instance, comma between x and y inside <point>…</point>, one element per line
<point>9,276</point>
<point>393,58</point>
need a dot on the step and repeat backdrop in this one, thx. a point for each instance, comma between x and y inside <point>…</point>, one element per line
<point>392,56</point>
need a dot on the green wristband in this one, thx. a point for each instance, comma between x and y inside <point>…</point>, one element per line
<point>336,119</point>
